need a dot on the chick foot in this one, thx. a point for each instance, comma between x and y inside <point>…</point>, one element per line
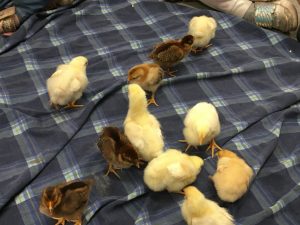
<point>170,73</point>
<point>212,146</point>
<point>152,101</point>
<point>78,222</point>
<point>111,170</point>
<point>199,49</point>
<point>72,105</point>
<point>60,221</point>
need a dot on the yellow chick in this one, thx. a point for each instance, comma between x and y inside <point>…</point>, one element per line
<point>172,170</point>
<point>202,125</point>
<point>198,210</point>
<point>148,76</point>
<point>232,177</point>
<point>68,82</point>
<point>141,127</point>
<point>203,29</point>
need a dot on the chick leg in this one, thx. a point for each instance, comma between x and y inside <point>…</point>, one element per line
<point>212,146</point>
<point>196,50</point>
<point>72,105</point>
<point>110,169</point>
<point>188,147</point>
<point>53,105</point>
<point>61,221</point>
<point>180,192</point>
<point>139,163</point>
<point>152,100</point>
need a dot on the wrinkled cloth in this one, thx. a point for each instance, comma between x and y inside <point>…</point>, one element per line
<point>250,74</point>
<point>25,8</point>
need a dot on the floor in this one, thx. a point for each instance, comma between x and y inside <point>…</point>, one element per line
<point>296,3</point>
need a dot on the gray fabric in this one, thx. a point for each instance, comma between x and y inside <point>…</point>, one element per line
<point>25,8</point>
<point>250,74</point>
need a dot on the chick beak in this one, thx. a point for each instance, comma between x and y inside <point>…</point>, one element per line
<point>219,153</point>
<point>50,207</point>
<point>138,165</point>
<point>181,192</point>
<point>201,139</point>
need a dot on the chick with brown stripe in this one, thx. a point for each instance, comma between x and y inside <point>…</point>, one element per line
<point>148,76</point>
<point>171,52</point>
<point>66,201</point>
<point>117,150</point>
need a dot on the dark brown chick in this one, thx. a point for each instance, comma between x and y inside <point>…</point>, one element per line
<point>117,150</point>
<point>169,53</point>
<point>66,201</point>
<point>148,76</point>
<point>53,4</point>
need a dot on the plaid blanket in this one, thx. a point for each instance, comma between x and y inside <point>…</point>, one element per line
<point>251,75</point>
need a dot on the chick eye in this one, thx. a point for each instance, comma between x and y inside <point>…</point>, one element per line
<point>135,78</point>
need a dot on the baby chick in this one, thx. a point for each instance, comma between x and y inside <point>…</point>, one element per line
<point>172,170</point>
<point>68,82</point>
<point>202,125</point>
<point>148,76</point>
<point>66,201</point>
<point>203,29</point>
<point>57,3</point>
<point>169,53</point>
<point>232,177</point>
<point>141,127</point>
<point>198,210</point>
<point>117,150</point>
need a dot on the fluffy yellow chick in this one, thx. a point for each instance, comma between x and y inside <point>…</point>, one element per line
<point>172,170</point>
<point>141,127</point>
<point>198,210</point>
<point>68,82</point>
<point>202,125</point>
<point>203,29</point>
<point>148,76</point>
<point>232,177</point>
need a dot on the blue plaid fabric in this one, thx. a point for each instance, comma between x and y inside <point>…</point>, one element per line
<point>251,75</point>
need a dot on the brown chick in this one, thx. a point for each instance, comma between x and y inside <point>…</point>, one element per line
<point>148,76</point>
<point>66,201</point>
<point>117,150</point>
<point>169,53</point>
